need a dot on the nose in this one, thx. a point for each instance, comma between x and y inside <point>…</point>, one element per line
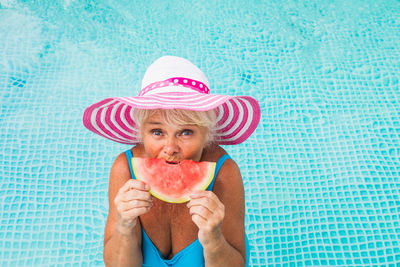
<point>171,146</point>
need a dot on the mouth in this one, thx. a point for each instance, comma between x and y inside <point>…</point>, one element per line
<point>172,162</point>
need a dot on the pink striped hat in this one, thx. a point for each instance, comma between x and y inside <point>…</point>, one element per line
<point>173,83</point>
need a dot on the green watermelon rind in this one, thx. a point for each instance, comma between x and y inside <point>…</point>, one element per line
<point>185,198</point>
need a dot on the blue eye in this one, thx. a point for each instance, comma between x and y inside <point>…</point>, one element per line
<point>187,132</point>
<point>156,132</point>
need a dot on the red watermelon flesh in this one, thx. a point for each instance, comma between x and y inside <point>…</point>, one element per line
<point>173,182</point>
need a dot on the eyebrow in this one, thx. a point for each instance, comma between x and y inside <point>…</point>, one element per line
<point>153,122</point>
<point>160,123</point>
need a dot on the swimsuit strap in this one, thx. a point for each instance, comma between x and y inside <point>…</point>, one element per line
<point>129,157</point>
<point>218,166</point>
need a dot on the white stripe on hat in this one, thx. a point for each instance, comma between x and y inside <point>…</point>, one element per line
<point>105,125</point>
<point>220,113</point>
<point>238,119</point>
<point>246,126</point>
<point>94,123</point>
<point>168,89</point>
<point>229,119</point>
<point>197,100</point>
<point>122,117</point>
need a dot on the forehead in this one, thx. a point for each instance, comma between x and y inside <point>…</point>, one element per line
<point>159,119</point>
<point>168,117</point>
<point>155,118</point>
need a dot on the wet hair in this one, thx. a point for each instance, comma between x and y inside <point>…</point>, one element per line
<point>206,119</point>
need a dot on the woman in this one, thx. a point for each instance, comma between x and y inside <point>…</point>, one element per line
<point>175,118</point>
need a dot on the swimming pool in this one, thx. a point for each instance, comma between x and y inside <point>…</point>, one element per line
<point>321,172</point>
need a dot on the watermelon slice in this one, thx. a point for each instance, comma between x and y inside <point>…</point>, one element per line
<point>173,183</point>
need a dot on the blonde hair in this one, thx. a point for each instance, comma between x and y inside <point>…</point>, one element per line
<point>206,119</point>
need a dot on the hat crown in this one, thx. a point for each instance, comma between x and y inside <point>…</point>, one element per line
<point>171,66</point>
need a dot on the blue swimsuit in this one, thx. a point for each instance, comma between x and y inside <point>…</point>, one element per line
<point>191,255</point>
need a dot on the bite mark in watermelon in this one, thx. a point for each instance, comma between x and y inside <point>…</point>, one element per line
<point>173,183</point>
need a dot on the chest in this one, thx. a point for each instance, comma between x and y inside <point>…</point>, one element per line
<point>169,227</point>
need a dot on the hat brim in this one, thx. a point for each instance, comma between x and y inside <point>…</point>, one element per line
<point>112,118</point>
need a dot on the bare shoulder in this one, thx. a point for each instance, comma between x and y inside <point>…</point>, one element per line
<point>229,170</point>
<point>120,169</point>
<point>228,182</point>
<point>229,178</point>
<point>213,153</point>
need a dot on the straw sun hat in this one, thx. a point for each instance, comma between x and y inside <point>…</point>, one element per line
<point>173,83</point>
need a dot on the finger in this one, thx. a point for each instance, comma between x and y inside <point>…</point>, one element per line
<point>135,184</point>
<point>135,204</point>
<point>199,221</point>
<point>204,194</point>
<point>123,207</point>
<point>137,194</point>
<point>208,199</point>
<point>212,215</point>
<point>201,202</point>
<point>202,211</point>
<point>198,194</point>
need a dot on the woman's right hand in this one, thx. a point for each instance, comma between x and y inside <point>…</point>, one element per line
<point>132,200</point>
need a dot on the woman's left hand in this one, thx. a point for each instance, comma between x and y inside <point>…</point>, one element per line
<point>207,213</point>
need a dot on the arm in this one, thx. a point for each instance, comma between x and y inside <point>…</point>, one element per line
<point>128,199</point>
<point>220,218</point>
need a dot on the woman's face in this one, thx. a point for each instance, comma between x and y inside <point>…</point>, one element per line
<point>173,143</point>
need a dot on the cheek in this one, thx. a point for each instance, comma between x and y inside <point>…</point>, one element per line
<point>193,146</point>
<point>202,142</point>
<point>151,146</point>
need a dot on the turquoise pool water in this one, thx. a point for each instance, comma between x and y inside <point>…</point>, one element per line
<point>321,172</point>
